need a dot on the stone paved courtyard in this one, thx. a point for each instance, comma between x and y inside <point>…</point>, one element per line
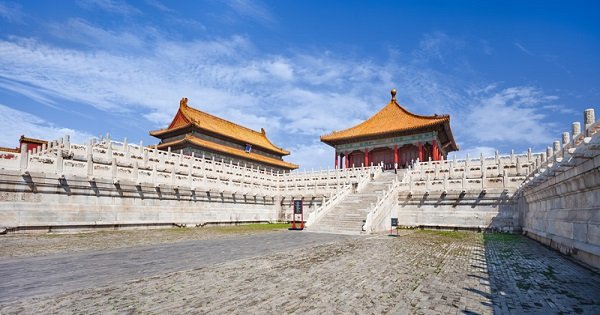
<point>420,272</point>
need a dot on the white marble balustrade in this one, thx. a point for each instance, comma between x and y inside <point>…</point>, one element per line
<point>109,160</point>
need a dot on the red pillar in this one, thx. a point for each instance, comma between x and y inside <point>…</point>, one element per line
<point>366,157</point>
<point>396,162</point>
<point>336,161</point>
<point>347,160</point>
<point>435,152</point>
<point>420,152</point>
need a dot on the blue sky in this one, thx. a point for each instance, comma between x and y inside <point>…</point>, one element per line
<point>512,75</point>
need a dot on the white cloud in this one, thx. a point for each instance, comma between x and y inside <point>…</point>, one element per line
<point>110,6</point>
<point>16,123</point>
<point>252,9</point>
<point>12,12</point>
<point>159,118</point>
<point>312,156</point>
<point>523,49</point>
<point>510,116</point>
<point>296,97</point>
<point>158,5</point>
<point>280,69</point>
<point>473,152</point>
<point>436,46</point>
<point>35,93</point>
<point>82,32</point>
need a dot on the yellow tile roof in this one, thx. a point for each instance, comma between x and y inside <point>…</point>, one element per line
<point>11,150</point>
<point>390,119</point>
<point>32,140</point>
<point>229,150</point>
<point>187,116</point>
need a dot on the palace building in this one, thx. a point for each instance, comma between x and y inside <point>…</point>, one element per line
<point>194,131</point>
<point>393,137</point>
<point>30,145</point>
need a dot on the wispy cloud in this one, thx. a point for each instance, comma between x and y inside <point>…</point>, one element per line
<point>252,9</point>
<point>12,12</point>
<point>17,123</point>
<point>37,94</point>
<point>555,61</point>
<point>159,5</point>
<point>510,116</point>
<point>474,152</point>
<point>312,156</point>
<point>437,46</point>
<point>110,6</point>
<point>523,49</point>
<point>80,31</point>
<point>487,47</point>
<point>296,97</point>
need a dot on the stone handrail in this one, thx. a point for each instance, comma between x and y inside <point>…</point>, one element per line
<point>111,161</point>
<point>429,183</point>
<point>329,204</point>
<point>323,181</point>
<point>339,196</point>
<point>507,159</point>
<point>495,167</point>
<point>576,150</point>
<point>379,211</point>
<point>498,172</point>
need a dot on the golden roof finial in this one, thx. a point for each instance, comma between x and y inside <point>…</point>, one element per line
<point>393,94</point>
<point>183,102</point>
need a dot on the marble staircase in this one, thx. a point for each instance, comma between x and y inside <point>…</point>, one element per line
<point>347,217</point>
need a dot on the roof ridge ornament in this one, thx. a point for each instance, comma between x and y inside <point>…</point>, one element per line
<point>393,94</point>
<point>183,102</point>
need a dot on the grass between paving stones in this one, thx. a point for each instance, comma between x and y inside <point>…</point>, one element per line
<point>217,229</point>
<point>245,227</point>
<point>448,234</point>
<point>15,245</point>
<point>503,237</point>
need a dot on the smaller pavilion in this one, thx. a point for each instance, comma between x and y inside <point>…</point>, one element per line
<point>30,144</point>
<point>394,138</point>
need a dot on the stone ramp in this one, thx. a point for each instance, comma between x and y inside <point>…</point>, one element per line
<point>347,217</point>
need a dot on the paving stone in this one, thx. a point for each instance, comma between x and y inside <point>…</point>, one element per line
<point>418,273</point>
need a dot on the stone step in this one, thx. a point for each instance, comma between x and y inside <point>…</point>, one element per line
<point>341,222</point>
<point>347,227</point>
<point>336,220</point>
<point>348,216</point>
<point>347,212</point>
<point>355,219</point>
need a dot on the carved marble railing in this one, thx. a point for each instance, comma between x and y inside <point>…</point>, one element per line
<point>109,160</point>
<point>322,182</point>
<point>381,211</point>
<point>510,165</point>
<point>498,172</point>
<point>573,151</point>
<point>335,199</point>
